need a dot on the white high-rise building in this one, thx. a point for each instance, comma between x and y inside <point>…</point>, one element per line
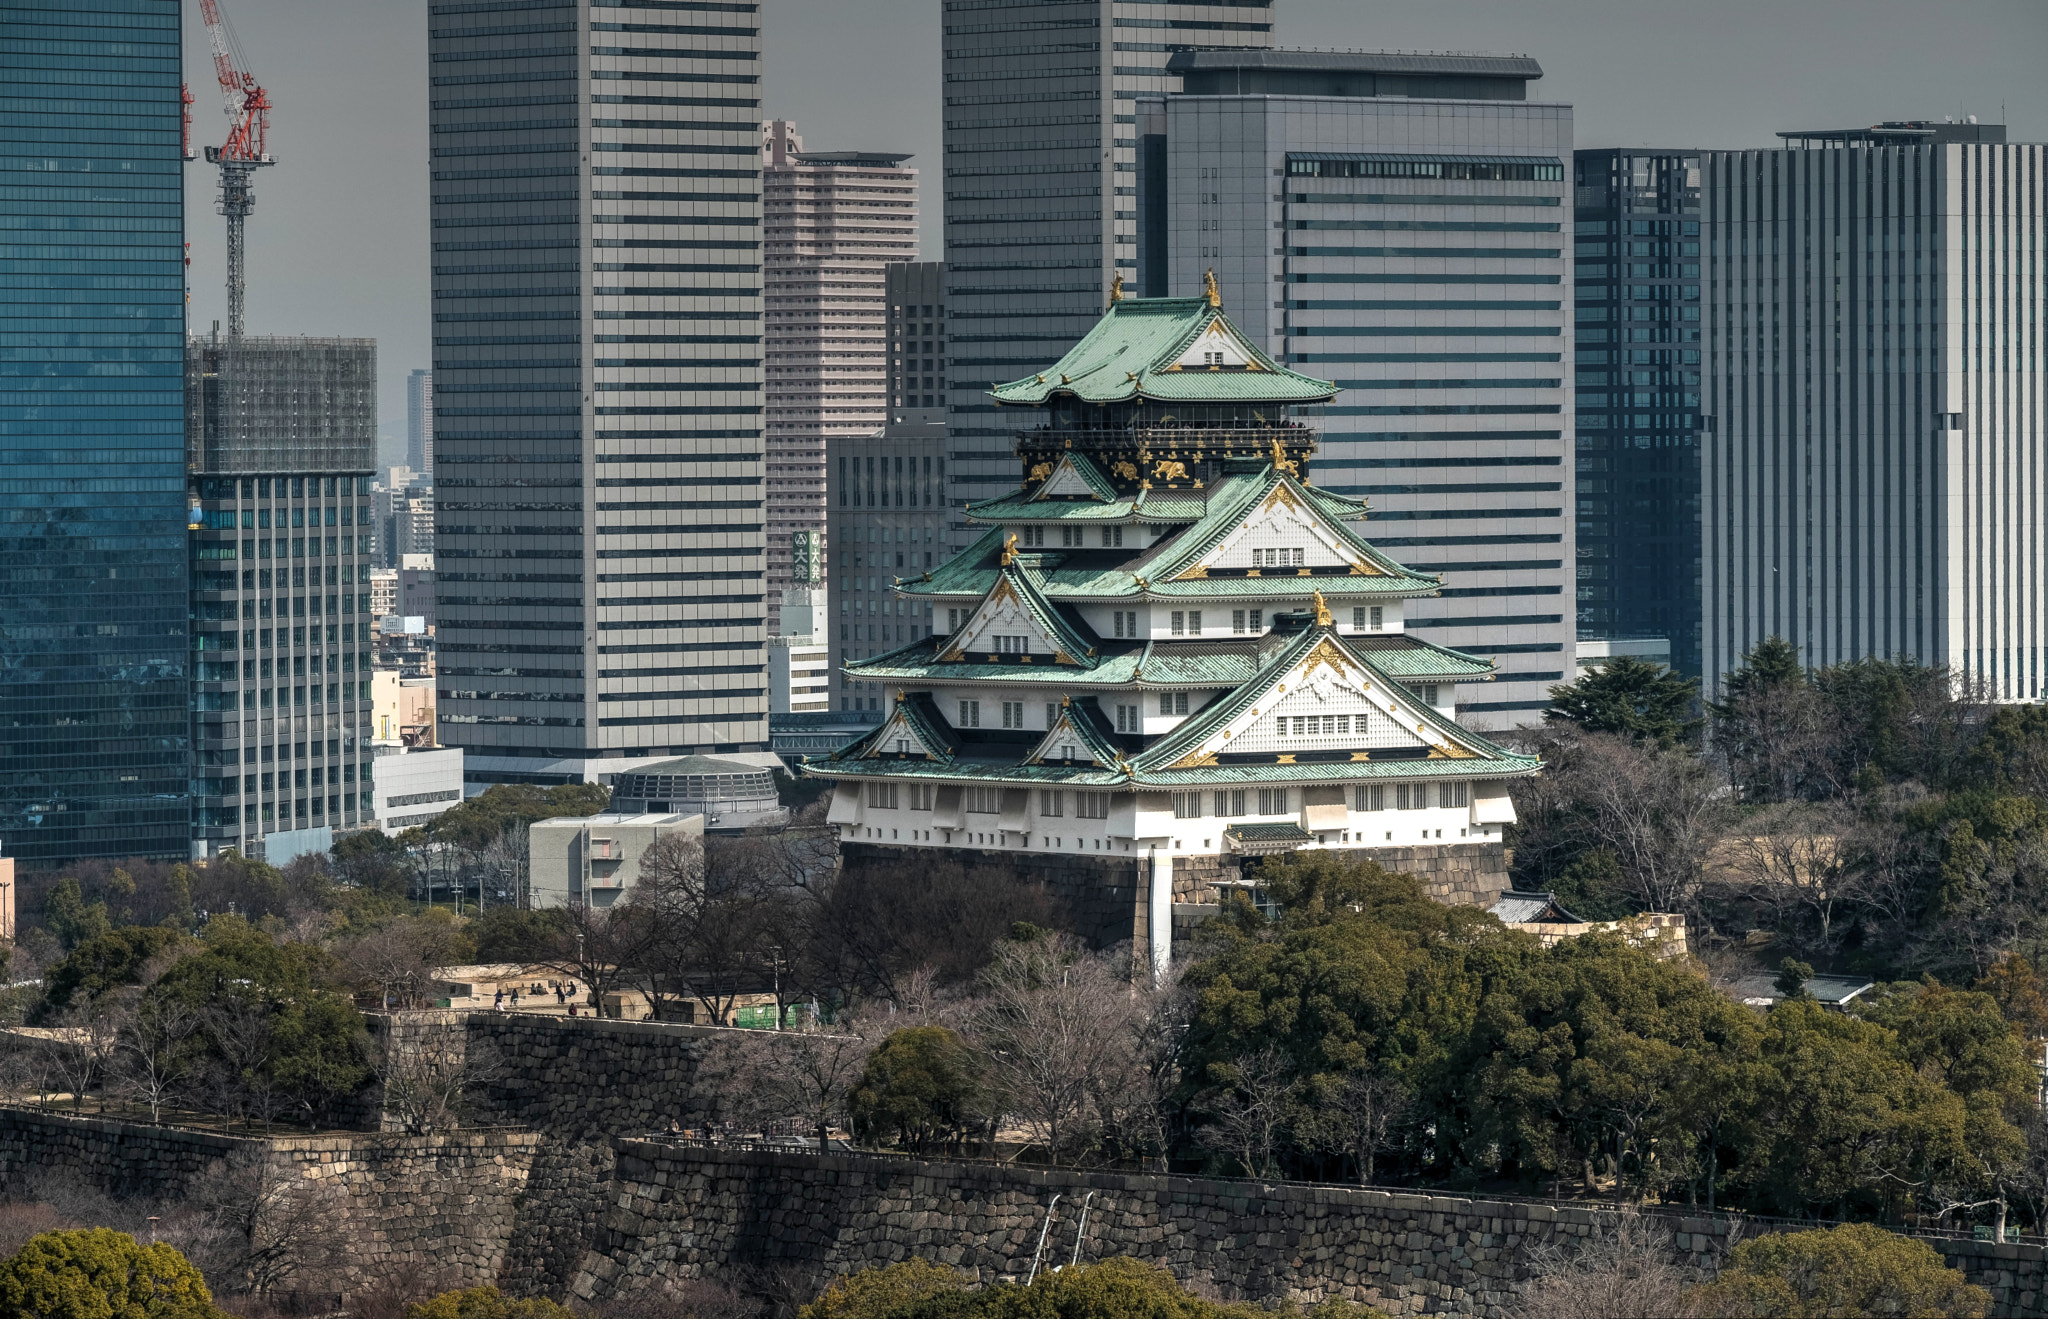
<point>419,423</point>
<point>596,225</point>
<point>832,221</point>
<point>1041,184</point>
<point>1399,224</point>
<point>1873,465</point>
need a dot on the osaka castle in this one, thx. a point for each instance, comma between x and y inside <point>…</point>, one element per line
<point>1170,651</point>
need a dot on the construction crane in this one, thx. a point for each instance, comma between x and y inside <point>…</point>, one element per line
<point>246,150</point>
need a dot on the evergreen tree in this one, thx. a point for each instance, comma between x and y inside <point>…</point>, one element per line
<point>1631,697</point>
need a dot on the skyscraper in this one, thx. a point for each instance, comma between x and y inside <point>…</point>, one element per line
<point>1395,223</point>
<point>419,423</point>
<point>832,220</point>
<point>1872,450</point>
<point>917,341</point>
<point>1636,267</point>
<point>597,378</point>
<point>93,723</point>
<point>281,435</point>
<point>1041,187</point>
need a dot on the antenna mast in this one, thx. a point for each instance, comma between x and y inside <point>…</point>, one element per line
<point>248,112</point>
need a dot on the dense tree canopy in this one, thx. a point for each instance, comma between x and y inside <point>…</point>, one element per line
<point>1634,698</point>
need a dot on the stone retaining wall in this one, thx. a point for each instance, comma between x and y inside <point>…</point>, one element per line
<point>446,1203</point>
<point>695,1211</point>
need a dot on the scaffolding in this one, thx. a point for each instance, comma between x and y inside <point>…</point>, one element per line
<point>280,404</point>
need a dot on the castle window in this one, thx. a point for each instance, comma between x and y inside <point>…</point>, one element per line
<point>1070,537</point>
<point>1369,797</point>
<point>1272,801</point>
<point>1378,618</point>
<point>1237,621</point>
<point>1126,623</point>
<point>882,796</point>
<point>1178,620</point>
<point>1187,805</point>
<point>1358,619</point>
<point>1411,796</point>
<point>1230,804</point>
<point>1112,538</point>
<point>1049,802</point>
<point>970,714</point>
<point>1195,623</point>
<point>1173,702</point>
<point>920,796</point>
<point>984,801</point>
<point>1052,713</point>
<point>1033,536</point>
<point>1451,796</point>
<point>1129,719</point>
<point>1091,805</point>
<point>1013,714</point>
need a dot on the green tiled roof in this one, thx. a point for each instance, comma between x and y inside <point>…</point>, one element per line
<point>1071,637</point>
<point>1019,506</point>
<point>974,571</point>
<point>1503,766</point>
<point>1133,351</point>
<point>978,771</point>
<point>1236,497</point>
<point>1198,728</point>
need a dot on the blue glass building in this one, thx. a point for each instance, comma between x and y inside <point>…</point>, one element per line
<point>93,705</point>
<point>1637,267</point>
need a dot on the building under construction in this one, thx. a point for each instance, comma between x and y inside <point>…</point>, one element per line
<point>280,442</point>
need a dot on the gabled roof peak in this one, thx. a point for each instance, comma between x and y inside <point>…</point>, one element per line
<point>1180,350</point>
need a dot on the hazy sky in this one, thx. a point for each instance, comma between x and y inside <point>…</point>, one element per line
<point>338,243</point>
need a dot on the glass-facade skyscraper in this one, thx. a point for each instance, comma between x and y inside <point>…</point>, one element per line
<point>598,454</point>
<point>1637,267</point>
<point>93,693</point>
<point>1041,179</point>
<point>1872,460</point>
<point>1395,223</point>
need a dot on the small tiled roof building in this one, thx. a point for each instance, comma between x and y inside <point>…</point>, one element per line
<point>1170,651</point>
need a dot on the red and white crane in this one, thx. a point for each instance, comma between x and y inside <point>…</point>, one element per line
<point>246,150</point>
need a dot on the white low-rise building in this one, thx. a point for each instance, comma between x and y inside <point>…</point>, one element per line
<point>592,860</point>
<point>412,787</point>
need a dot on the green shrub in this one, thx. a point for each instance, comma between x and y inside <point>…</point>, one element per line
<point>1845,1272</point>
<point>1119,1288</point>
<point>486,1303</point>
<point>98,1273</point>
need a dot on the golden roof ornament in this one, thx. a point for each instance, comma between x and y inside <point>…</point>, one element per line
<point>1009,549</point>
<point>1322,611</point>
<point>1281,461</point>
<point>1209,288</point>
<point>1116,289</point>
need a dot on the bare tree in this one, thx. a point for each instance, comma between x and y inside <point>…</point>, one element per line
<point>1816,868</point>
<point>1359,1116</point>
<point>430,1073</point>
<point>84,1045</point>
<point>720,915</point>
<point>154,1052</point>
<point>241,1032</point>
<point>1629,1273</point>
<point>1250,1108</point>
<point>764,1077</point>
<point>274,1230</point>
<point>603,946</point>
<point>1051,1036</point>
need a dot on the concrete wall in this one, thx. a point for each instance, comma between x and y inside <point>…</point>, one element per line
<point>447,1203</point>
<point>694,1211</point>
